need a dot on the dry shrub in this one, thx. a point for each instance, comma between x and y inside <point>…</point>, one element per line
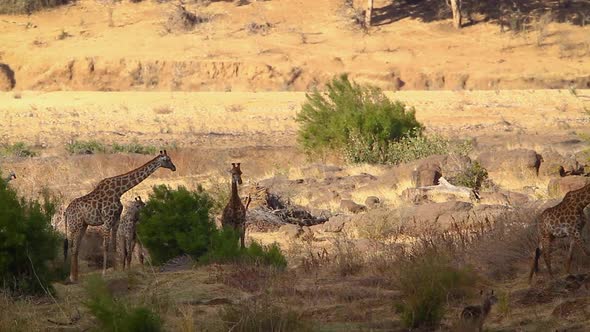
<point>508,245</point>
<point>248,277</point>
<point>258,28</point>
<point>182,20</point>
<point>347,260</point>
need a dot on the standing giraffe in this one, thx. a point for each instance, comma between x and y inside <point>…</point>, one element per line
<point>566,219</point>
<point>234,213</point>
<point>126,233</point>
<point>102,206</point>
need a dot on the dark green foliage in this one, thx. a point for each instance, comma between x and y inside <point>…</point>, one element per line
<point>225,248</point>
<point>113,315</point>
<point>260,314</point>
<point>18,149</point>
<point>134,147</point>
<point>28,243</point>
<point>86,147</point>
<point>472,177</point>
<point>28,6</point>
<point>328,121</point>
<point>427,281</point>
<point>176,222</point>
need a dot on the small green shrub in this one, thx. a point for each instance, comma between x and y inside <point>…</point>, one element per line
<point>426,281</point>
<point>225,248</point>
<point>18,149</point>
<point>412,146</point>
<point>134,147</point>
<point>28,243</point>
<point>27,6</point>
<point>347,110</point>
<point>260,314</point>
<point>472,177</point>
<point>86,147</point>
<point>176,222</point>
<point>113,315</point>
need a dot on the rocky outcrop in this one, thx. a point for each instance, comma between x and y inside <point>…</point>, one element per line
<point>516,161</point>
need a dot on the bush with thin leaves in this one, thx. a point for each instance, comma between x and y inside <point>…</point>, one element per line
<point>348,110</point>
<point>28,243</point>
<point>176,222</point>
<point>472,177</point>
<point>115,316</point>
<point>426,281</point>
<point>28,6</point>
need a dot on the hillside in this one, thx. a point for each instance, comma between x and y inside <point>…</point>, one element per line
<point>284,45</point>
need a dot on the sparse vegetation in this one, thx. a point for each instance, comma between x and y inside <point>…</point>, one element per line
<point>472,177</point>
<point>113,315</point>
<point>426,281</point>
<point>28,244</point>
<point>28,6</point>
<point>18,149</point>
<point>93,147</point>
<point>134,147</point>
<point>85,147</point>
<point>349,111</point>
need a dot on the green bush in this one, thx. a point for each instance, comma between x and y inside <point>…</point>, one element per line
<point>27,6</point>
<point>412,146</point>
<point>134,147</point>
<point>426,282</point>
<point>176,222</point>
<point>472,177</point>
<point>86,147</point>
<point>113,315</point>
<point>28,243</point>
<point>18,149</point>
<point>348,110</point>
<point>225,248</point>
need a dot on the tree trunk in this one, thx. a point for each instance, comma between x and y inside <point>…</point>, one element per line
<point>369,13</point>
<point>456,9</point>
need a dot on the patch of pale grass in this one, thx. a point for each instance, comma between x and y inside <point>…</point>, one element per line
<point>375,170</point>
<point>516,181</point>
<point>386,193</point>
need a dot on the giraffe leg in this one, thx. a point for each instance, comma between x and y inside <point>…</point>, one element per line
<point>577,238</point>
<point>546,251</point>
<point>121,248</point>
<point>570,255</point>
<point>139,252</point>
<point>76,242</point>
<point>113,246</point>
<point>131,248</point>
<point>242,230</point>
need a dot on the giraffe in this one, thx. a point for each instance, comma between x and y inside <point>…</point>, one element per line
<point>566,219</point>
<point>234,213</point>
<point>126,233</point>
<point>475,315</point>
<point>102,206</point>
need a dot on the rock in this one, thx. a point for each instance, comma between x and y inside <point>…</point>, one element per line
<point>449,165</point>
<point>554,164</point>
<point>569,309</point>
<point>372,202</point>
<point>349,205</point>
<point>426,174</point>
<point>307,233</point>
<point>558,187</point>
<point>262,220</point>
<point>517,161</point>
<point>335,224</point>
<point>444,190</point>
<point>493,198</point>
<point>291,231</point>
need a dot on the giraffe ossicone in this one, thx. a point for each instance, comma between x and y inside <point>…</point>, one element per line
<point>102,207</point>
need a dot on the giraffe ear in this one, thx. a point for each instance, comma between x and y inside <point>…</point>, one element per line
<point>481,292</point>
<point>166,153</point>
<point>238,164</point>
<point>233,164</point>
<point>161,152</point>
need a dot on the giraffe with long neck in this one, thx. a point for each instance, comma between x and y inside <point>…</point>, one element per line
<point>102,206</point>
<point>566,219</point>
<point>234,213</point>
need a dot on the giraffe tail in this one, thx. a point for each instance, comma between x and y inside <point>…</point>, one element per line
<point>535,265</point>
<point>66,244</point>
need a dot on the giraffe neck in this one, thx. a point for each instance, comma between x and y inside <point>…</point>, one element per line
<point>131,179</point>
<point>8,178</point>
<point>581,197</point>
<point>234,193</point>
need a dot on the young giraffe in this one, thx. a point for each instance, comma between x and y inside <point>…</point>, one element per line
<point>475,315</point>
<point>566,219</point>
<point>126,233</point>
<point>102,206</point>
<point>234,213</point>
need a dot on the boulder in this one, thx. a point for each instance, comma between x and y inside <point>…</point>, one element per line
<point>449,166</point>
<point>291,231</point>
<point>558,187</point>
<point>554,164</point>
<point>444,190</point>
<point>372,202</point>
<point>335,224</point>
<point>426,174</point>
<point>349,205</point>
<point>517,161</point>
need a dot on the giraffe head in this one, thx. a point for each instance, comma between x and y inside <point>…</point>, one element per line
<point>137,203</point>
<point>165,161</point>
<point>236,173</point>
<point>12,175</point>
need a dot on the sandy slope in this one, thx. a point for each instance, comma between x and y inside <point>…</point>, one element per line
<point>125,46</point>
